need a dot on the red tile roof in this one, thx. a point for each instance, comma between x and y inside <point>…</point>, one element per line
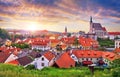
<point>4,56</point>
<point>87,54</point>
<point>49,55</point>
<point>88,42</point>
<point>68,40</point>
<point>94,54</point>
<point>6,52</point>
<point>114,33</point>
<point>117,50</point>
<point>39,41</point>
<point>104,29</point>
<point>109,55</point>
<point>13,62</point>
<point>65,61</point>
<point>55,41</point>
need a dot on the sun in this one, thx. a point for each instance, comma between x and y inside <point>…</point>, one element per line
<point>32,27</point>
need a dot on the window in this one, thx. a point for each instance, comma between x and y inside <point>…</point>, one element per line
<point>42,64</point>
<point>91,58</point>
<point>87,59</point>
<point>73,57</point>
<point>42,59</point>
<point>82,58</point>
<point>97,58</point>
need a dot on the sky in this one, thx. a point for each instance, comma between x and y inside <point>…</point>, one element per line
<point>55,15</point>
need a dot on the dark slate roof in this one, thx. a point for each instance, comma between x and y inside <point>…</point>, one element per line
<point>97,26</point>
<point>35,54</point>
<point>25,60</point>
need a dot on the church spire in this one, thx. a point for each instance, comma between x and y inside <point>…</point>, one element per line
<point>91,19</point>
<point>65,29</point>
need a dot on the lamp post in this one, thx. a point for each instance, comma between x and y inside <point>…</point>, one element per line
<point>91,67</point>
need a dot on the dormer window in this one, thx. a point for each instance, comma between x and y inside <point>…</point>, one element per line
<point>42,59</point>
<point>73,57</point>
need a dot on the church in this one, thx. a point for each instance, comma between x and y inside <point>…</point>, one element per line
<point>97,29</point>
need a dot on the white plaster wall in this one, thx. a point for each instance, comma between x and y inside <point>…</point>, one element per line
<point>39,62</point>
<point>11,57</point>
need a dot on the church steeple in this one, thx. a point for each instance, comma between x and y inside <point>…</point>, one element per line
<point>65,29</point>
<point>91,19</point>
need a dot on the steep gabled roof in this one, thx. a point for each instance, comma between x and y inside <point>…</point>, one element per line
<point>4,56</point>
<point>97,26</point>
<point>25,60</point>
<point>104,29</point>
<point>65,61</point>
<point>49,55</point>
<point>35,54</point>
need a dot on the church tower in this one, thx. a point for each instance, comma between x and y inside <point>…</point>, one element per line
<point>91,20</point>
<point>65,29</point>
<point>90,30</point>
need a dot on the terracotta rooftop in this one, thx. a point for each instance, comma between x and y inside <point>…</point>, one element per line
<point>49,55</point>
<point>65,61</point>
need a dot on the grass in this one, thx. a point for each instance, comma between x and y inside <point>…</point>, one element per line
<point>18,71</point>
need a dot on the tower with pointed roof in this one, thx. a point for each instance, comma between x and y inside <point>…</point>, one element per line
<point>91,19</point>
<point>65,29</point>
<point>97,29</point>
<point>90,31</point>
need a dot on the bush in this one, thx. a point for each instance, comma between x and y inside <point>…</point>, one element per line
<point>30,67</point>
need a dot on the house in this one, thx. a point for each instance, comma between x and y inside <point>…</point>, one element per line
<point>88,43</point>
<point>40,44</point>
<point>8,54</point>
<point>47,59</point>
<point>87,57</point>
<point>69,41</point>
<point>64,61</point>
<point>28,59</point>
<point>54,42</point>
<point>108,57</point>
<point>117,43</point>
<point>113,35</point>
<point>8,42</point>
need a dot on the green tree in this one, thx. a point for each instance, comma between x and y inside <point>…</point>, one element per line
<point>4,34</point>
<point>76,42</point>
<point>30,67</point>
<point>105,42</point>
<point>116,63</point>
<point>22,46</point>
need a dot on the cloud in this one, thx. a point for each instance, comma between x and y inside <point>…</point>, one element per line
<point>59,13</point>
